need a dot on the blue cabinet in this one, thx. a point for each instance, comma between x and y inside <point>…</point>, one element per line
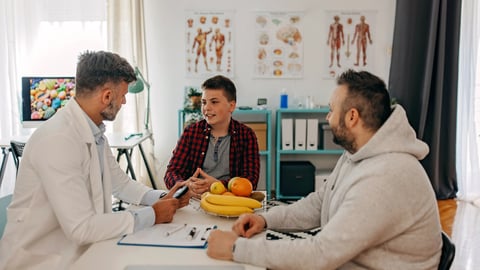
<point>331,155</point>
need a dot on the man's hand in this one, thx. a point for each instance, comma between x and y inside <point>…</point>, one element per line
<point>185,199</point>
<point>165,209</point>
<point>248,225</point>
<point>220,244</point>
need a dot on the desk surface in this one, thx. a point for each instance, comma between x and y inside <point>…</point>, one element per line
<point>116,140</point>
<point>108,255</point>
<point>119,139</point>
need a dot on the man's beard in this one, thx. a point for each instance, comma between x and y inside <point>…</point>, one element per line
<point>343,137</point>
<point>110,112</point>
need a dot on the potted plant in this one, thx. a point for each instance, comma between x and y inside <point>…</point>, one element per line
<point>195,98</point>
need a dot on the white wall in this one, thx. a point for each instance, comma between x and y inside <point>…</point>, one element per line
<point>165,21</point>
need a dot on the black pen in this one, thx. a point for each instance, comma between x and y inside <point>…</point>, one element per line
<point>204,236</point>
<point>191,234</point>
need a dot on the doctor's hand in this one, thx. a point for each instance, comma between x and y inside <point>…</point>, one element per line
<point>165,209</point>
<point>220,244</point>
<point>248,225</point>
<point>184,199</point>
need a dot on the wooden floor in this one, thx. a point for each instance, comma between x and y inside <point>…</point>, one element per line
<point>461,221</point>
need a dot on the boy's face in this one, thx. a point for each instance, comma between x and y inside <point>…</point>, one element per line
<point>216,108</point>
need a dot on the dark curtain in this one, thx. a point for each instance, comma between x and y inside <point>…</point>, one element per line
<point>423,79</point>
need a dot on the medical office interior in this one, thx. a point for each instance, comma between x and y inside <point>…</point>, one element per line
<point>268,48</point>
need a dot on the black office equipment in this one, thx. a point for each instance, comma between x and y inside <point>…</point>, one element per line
<point>297,178</point>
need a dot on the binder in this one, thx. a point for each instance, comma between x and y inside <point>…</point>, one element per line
<point>287,134</point>
<point>300,134</point>
<point>312,134</point>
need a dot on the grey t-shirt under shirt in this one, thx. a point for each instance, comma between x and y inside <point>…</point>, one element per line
<point>217,161</point>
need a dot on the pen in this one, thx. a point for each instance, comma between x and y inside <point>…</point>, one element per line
<point>191,234</point>
<point>204,235</point>
<point>175,230</point>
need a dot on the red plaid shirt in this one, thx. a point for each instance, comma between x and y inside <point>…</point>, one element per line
<point>191,149</point>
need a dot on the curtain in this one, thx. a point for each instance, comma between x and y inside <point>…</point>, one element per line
<point>467,148</point>
<point>126,36</point>
<point>423,78</point>
<point>9,116</point>
<point>41,38</point>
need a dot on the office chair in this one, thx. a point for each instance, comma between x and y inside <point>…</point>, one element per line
<point>4,202</point>
<point>17,151</point>
<point>448,253</point>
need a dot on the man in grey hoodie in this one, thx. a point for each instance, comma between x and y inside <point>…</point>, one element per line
<point>377,209</point>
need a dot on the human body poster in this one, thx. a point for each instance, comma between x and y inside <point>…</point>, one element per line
<point>209,43</point>
<point>349,42</point>
<point>278,45</point>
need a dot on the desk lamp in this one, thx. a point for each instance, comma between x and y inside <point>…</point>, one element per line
<point>138,87</point>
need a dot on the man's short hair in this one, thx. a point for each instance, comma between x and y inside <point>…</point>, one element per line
<point>368,94</point>
<point>94,69</point>
<point>220,82</point>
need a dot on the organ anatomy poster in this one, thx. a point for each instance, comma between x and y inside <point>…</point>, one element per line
<point>278,45</point>
<point>209,43</point>
<point>349,42</point>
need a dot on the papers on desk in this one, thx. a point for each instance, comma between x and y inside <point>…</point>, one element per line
<point>170,235</point>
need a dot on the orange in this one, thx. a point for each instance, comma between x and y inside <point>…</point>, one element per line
<point>228,193</point>
<point>241,187</point>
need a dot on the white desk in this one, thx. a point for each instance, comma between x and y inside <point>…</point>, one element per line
<point>109,255</point>
<point>124,143</point>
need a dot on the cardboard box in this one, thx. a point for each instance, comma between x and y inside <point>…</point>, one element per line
<point>260,130</point>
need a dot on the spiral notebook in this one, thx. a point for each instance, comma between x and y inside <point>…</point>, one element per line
<point>170,235</point>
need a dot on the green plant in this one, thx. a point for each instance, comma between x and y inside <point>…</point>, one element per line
<point>193,92</point>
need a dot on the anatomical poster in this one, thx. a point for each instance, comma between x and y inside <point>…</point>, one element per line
<point>349,42</point>
<point>209,43</point>
<point>278,45</point>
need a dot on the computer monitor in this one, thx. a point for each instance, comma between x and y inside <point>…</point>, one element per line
<point>42,97</point>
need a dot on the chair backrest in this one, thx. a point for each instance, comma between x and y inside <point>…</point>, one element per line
<point>448,253</point>
<point>4,202</point>
<point>17,151</point>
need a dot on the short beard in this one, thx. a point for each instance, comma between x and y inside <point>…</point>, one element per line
<point>110,112</point>
<point>343,137</point>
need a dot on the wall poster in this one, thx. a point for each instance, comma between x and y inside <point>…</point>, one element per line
<point>209,43</point>
<point>349,37</point>
<point>278,45</point>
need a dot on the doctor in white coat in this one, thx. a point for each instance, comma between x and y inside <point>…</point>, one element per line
<point>62,198</point>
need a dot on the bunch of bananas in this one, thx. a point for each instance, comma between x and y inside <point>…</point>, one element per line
<point>230,206</point>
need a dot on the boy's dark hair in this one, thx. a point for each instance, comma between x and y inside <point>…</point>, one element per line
<point>220,82</point>
<point>368,94</point>
<point>97,68</point>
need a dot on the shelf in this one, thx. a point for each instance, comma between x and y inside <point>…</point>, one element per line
<point>325,155</point>
<point>311,152</point>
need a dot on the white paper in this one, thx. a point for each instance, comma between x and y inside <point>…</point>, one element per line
<point>179,235</point>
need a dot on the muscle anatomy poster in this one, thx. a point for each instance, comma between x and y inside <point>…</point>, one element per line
<point>278,45</point>
<point>349,42</point>
<point>209,43</point>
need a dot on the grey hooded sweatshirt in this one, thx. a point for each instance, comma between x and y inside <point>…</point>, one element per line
<point>377,210</point>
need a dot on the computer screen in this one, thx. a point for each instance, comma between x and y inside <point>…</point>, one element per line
<point>42,97</point>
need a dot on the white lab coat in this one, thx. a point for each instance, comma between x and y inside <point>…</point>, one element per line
<point>60,203</point>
